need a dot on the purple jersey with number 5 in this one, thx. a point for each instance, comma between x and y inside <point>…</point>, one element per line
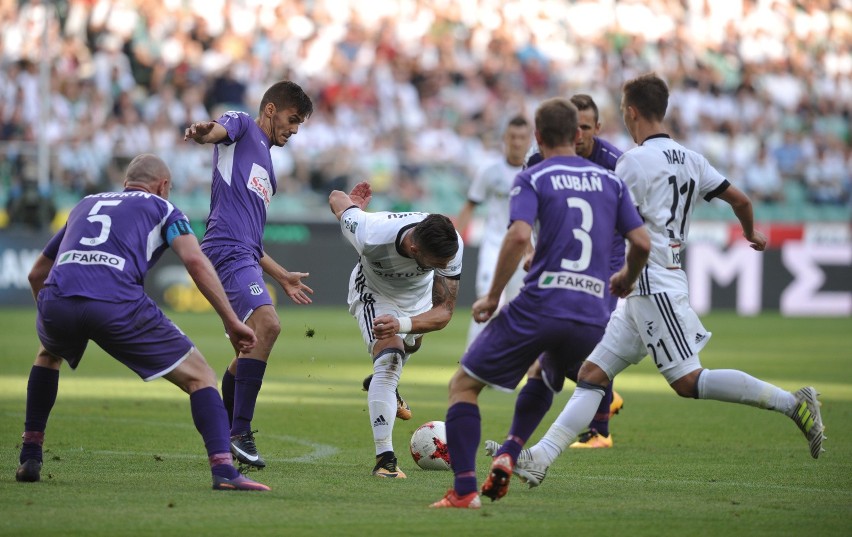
<point>573,205</point>
<point>109,243</point>
<point>243,185</point>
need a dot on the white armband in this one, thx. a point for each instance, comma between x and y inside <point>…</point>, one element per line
<point>404,325</point>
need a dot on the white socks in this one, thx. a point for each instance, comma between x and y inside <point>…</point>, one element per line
<point>381,398</point>
<point>735,386</point>
<point>575,417</point>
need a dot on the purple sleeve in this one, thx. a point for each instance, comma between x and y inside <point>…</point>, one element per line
<point>523,200</point>
<point>52,249</point>
<point>236,123</point>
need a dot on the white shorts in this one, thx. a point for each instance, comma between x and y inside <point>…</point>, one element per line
<point>486,263</point>
<point>367,305</point>
<point>663,326</point>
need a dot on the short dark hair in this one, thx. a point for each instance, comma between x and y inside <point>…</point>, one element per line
<point>556,122</point>
<point>518,121</point>
<point>585,102</point>
<point>648,94</point>
<point>286,94</point>
<point>435,235</point>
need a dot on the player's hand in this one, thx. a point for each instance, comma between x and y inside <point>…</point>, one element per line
<point>385,326</point>
<point>528,257</point>
<point>483,309</point>
<point>197,131</point>
<point>242,337</point>
<point>620,285</point>
<point>361,195</point>
<point>757,240</point>
<point>295,289</point>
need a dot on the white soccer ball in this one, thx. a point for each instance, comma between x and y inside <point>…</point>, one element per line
<point>429,446</point>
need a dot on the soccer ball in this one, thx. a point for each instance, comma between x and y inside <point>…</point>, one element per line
<point>429,446</point>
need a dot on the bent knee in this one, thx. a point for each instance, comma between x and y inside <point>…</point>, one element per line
<point>687,386</point>
<point>409,349</point>
<point>265,323</point>
<point>591,373</point>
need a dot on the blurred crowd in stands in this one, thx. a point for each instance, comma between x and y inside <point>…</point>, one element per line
<point>406,89</point>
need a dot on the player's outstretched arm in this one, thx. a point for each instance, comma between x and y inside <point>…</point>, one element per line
<point>741,204</point>
<point>205,278</point>
<point>465,216</point>
<point>205,132</point>
<point>515,245</point>
<point>339,201</point>
<point>291,282</point>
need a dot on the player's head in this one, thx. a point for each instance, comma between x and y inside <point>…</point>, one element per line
<point>150,173</point>
<point>588,121</point>
<point>516,140</point>
<point>556,123</point>
<point>647,97</point>
<point>434,242</point>
<point>283,108</point>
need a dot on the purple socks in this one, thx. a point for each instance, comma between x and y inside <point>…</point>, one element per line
<point>463,434</point>
<point>247,383</point>
<point>42,388</point>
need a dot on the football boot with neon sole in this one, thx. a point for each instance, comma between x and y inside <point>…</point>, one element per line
<point>386,466</point>
<point>497,484</point>
<point>807,416</point>
<point>616,405</point>
<point>240,482</point>
<point>591,439</point>
<point>452,500</point>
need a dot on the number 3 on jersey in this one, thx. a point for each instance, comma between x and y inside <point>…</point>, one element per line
<point>581,234</point>
<point>104,220</point>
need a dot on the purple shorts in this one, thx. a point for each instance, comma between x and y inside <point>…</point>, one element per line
<point>503,352</point>
<point>136,334</point>
<point>242,278</point>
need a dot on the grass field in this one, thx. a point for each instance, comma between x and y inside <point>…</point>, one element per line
<point>123,457</point>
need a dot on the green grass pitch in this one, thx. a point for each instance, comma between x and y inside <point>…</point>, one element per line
<point>123,458</point>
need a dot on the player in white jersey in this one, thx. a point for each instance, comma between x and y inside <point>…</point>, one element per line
<point>490,189</point>
<point>404,285</point>
<point>666,180</point>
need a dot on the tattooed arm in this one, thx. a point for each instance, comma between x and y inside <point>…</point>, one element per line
<point>444,294</point>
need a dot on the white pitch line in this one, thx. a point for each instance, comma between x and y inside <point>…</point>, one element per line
<point>319,451</point>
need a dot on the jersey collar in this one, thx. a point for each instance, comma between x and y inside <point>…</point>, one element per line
<point>659,135</point>
<point>400,237</point>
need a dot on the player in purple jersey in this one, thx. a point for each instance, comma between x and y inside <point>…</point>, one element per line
<point>560,314</point>
<point>243,185</point>
<point>88,284</point>
<point>604,154</point>
<point>666,181</point>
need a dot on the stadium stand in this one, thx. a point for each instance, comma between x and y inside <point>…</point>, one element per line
<point>410,94</point>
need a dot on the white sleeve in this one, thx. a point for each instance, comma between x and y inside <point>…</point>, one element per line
<point>353,225</point>
<point>478,190</point>
<point>627,169</point>
<point>710,178</point>
<point>454,269</point>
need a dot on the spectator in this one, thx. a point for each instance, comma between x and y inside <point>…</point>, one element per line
<point>827,178</point>
<point>763,182</point>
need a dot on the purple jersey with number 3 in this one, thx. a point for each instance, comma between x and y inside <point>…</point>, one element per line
<point>574,206</point>
<point>243,185</point>
<point>109,243</point>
